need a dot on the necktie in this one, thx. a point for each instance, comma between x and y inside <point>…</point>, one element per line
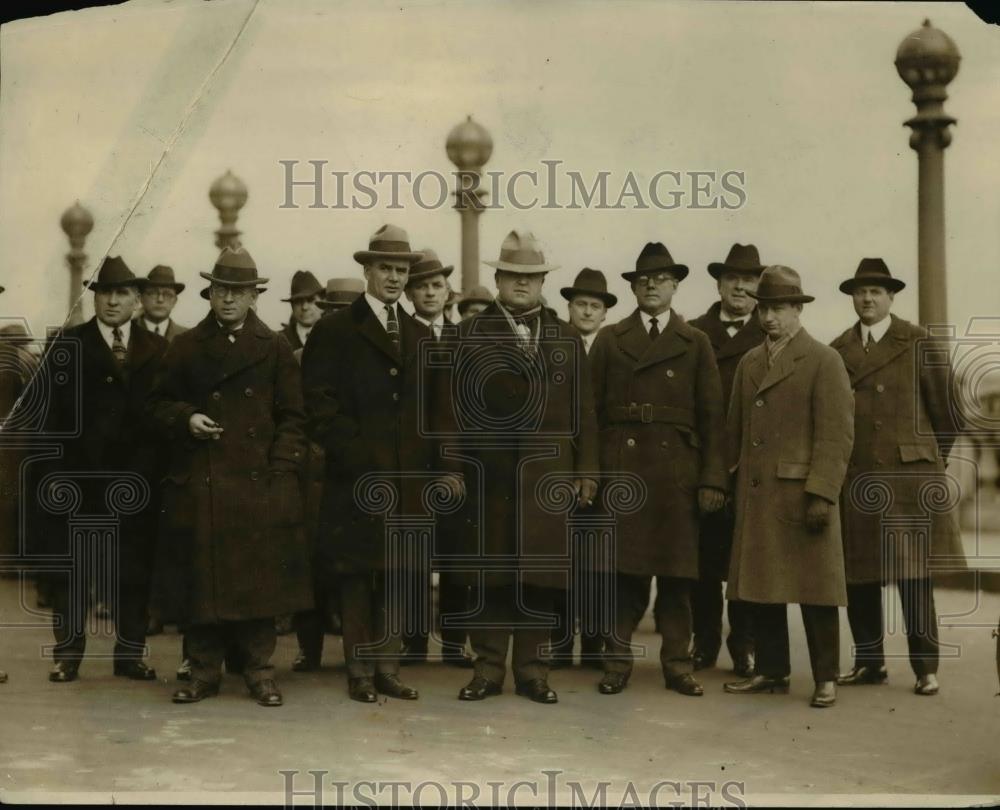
<point>733,326</point>
<point>654,329</point>
<point>156,329</point>
<point>392,326</point>
<point>118,346</point>
<point>869,343</point>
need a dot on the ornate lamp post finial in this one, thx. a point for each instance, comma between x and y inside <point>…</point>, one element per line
<point>469,146</point>
<point>228,194</point>
<point>76,223</point>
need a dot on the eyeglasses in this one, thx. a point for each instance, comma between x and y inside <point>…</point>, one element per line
<point>655,279</point>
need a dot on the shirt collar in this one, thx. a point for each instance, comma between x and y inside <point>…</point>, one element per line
<point>437,323</point>
<point>661,320</point>
<point>378,307</point>
<point>107,332</point>
<point>302,331</point>
<point>878,330</point>
<point>151,327</point>
<point>236,328</point>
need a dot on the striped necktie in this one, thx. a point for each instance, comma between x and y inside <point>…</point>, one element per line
<point>118,346</point>
<point>392,326</point>
<point>870,342</point>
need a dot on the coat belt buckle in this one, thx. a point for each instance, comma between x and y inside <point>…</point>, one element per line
<point>646,413</point>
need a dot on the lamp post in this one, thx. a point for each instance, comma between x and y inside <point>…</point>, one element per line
<point>76,223</point>
<point>927,60</point>
<point>228,194</point>
<point>469,146</point>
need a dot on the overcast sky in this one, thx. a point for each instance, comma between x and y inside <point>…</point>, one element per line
<point>136,109</point>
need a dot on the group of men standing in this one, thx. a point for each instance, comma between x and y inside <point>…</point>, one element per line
<point>281,469</point>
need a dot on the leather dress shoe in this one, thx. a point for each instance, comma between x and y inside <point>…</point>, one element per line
<point>393,687</point>
<point>266,693</point>
<point>686,684</point>
<point>462,660</point>
<point>305,663</point>
<point>926,685</point>
<point>134,670</point>
<point>743,664</point>
<point>184,670</point>
<point>758,683</point>
<point>63,672</point>
<point>612,683</point>
<point>362,690</point>
<point>195,691</point>
<point>863,675</point>
<point>824,695</point>
<point>702,660</point>
<point>479,689</point>
<point>537,690</point>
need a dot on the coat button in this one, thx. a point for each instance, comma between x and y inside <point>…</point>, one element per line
<point>754,482</point>
<point>880,388</point>
<point>254,476</point>
<point>394,371</point>
<point>110,379</point>
<point>633,404</point>
<point>670,372</point>
<point>248,392</point>
<point>757,442</point>
<point>395,396</point>
<point>663,444</point>
<point>630,442</point>
<point>208,479</point>
<point>759,403</point>
<point>878,425</point>
<point>251,432</point>
<point>216,395</point>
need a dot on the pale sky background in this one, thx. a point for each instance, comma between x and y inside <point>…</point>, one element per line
<point>144,105</point>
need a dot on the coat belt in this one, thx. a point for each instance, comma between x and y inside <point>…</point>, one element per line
<point>647,412</point>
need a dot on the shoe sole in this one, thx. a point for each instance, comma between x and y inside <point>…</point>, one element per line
<point>816,704</point>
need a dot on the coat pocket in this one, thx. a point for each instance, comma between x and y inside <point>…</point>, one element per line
<point>790,494</point>
<point>909,453</point>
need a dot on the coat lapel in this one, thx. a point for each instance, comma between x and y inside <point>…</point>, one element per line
<point>228,359</point>
<point>669,343</point>
<point>785,364</point>
<point>142,347</point>
<point>370,328</point>
<point>99,351</point>
<point>633,339</point>
<point>893,343</point>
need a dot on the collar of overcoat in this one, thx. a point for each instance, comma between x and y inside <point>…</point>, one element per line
<point>491,321</point>
<point>859,364</point>
<point>253,342</point>
<point>749,335</point>
<point>763,377</point>
<point>141,348</point>
<point>371,329</point>
<point>633,339</point>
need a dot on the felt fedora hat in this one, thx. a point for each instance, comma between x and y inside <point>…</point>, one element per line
<point>477,295</point>
<point>521,253</point>
<point>741,259</point>
<point>590,282</point>
<point>162,276</point>
<point>871,272</point>
<point>654,258</point>
<point>304,285</point>
<point>388,242</point>
<point>234,268</point>
<point>429,265</point>
<point>113,273</point>
<point>340,292</point>
<point>780,285</point>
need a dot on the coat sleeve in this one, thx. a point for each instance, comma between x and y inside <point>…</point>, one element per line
<point>328,422</point>
<point>288,451</point>
<point>940,398</point>
<point>586,442</point>
<point>734,420</point>
<point>710,416</point>
<point>167,403</point>
<point>832,402</point>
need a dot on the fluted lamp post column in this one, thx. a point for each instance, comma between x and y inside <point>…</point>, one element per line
<point>76,222</point>
<point>927,60</point>
<point>469,146</point>
<point>228,194</point>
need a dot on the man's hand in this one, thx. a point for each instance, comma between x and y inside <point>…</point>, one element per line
<point>817,513</point>
<point>710,499</point>
<point>202,427</point>
<point>586,489</point>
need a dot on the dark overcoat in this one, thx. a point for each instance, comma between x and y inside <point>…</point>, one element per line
<point>362,397</point>
<point>232,506</point>
<point>661,416</point>
<point>527,429</point>
<point>717,527</point>
<point>790,429</point>
<point>116,435</point>
<point>173,329</point>
<point>905,423</point>
<point>291,335</point>
<point>17,366</point>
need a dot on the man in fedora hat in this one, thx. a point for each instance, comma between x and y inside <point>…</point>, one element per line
<point>905,423</point>
<point>659,405</point>
<point>791,427</point>
<point>361,379</point>
<point>229,399</point>
<point>311,625</point>
<point>158,293</point>
<point>304,298</point>
<point>473,302</point>
<point>116,373</point>
<point>528,420</point>
<point>588,304</point>
<point>733,329</point>
<point>428,291</point>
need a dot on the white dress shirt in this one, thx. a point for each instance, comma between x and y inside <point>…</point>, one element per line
<point>436,325</point>
<point>661,320</point>
<point>877,330</point>
<point>588,341</point>
<point>378,307</point>
<point>156,328</point>
<point>107,332</point>
<point>302,332</point>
